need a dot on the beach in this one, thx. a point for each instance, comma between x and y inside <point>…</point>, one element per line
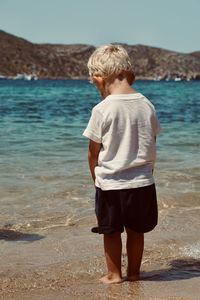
<point>47,250</point>
<point>66,261</point>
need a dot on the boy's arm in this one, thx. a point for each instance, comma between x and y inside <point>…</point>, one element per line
<point>93,154</point>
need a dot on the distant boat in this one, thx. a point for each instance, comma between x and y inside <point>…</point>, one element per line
<point>157,78</point>
<point>177,79</point>
<point>26,77</point>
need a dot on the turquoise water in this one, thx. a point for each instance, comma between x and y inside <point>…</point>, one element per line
<point>43,156</point>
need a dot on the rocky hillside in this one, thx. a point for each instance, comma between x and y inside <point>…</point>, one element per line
<point>18,56</point>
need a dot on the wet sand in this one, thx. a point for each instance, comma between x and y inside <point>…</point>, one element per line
<point>65,262</point>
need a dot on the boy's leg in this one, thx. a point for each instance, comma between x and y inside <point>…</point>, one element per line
<point>135,247</point>
<point>113,252</point>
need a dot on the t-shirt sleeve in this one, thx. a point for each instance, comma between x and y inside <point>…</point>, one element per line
<point>93,130</point>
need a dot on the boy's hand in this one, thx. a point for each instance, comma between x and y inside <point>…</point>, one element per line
<point>93,154</point>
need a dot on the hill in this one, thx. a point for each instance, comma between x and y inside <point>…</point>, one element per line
<point>18,56</point>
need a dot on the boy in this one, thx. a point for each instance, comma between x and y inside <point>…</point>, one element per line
<point>122,131</point>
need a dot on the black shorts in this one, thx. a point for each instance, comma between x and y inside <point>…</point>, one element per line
<point>134,208</point>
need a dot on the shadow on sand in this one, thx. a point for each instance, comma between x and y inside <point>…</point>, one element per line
<point>12,235</point>
<point>179,269</point>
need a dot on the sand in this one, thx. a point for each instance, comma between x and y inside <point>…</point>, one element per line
<point>66,262</point>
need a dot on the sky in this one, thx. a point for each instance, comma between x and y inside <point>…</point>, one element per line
<point>168,24</point>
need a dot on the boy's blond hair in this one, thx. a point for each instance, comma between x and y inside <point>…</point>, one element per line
<point>110,60</point>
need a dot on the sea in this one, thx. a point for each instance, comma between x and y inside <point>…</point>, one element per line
<point>44,176</point>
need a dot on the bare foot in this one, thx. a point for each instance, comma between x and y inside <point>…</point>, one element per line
<point>108,279</point>
<point>133,278</point>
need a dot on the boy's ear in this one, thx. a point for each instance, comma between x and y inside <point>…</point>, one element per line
<point>99,81</point>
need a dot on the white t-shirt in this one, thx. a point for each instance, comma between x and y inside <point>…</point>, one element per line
<point>126,126</point>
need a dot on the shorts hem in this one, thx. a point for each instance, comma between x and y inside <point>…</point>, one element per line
<point>112,230</point>
<point>144,230</point>
<point>101,230</point>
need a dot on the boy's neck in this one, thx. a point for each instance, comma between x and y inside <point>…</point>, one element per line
<point>119,87</point>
